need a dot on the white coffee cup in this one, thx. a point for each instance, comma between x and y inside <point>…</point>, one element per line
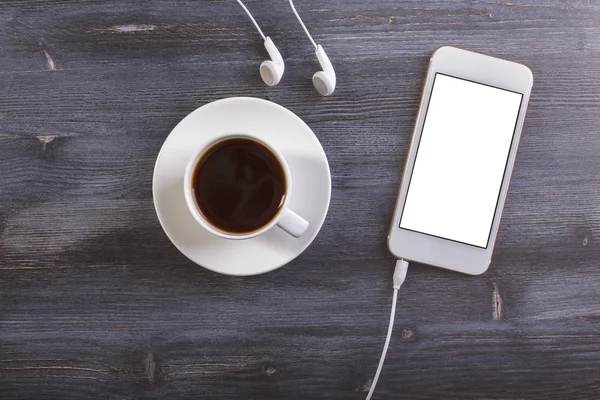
<point>285,218</point>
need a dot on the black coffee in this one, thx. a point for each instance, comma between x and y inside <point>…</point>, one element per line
<point>239,185</point>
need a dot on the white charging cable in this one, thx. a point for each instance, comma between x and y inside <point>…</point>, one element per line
<point>399,277</point>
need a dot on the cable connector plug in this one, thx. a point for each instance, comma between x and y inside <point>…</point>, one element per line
<point>400,273</point>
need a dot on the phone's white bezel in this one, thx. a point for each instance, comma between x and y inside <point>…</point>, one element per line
<point>436,251</point>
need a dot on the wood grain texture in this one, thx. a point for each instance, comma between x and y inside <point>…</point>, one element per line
<point>95,302</point>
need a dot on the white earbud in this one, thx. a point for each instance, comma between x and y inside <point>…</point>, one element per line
<point>271,70</point>
<point>325,80</point>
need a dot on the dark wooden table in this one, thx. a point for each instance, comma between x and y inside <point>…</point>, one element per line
<point>95,302</point>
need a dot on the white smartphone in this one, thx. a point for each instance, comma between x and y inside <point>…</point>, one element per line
<point>460,161</point>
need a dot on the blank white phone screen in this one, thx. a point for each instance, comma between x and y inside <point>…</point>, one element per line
<point>461,160</point>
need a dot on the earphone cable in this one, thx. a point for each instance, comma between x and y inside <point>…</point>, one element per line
<point>302,23</point>
<point>253,20</point>
<point>399,276</point>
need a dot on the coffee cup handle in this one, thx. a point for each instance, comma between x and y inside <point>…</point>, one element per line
<point>292,223</point>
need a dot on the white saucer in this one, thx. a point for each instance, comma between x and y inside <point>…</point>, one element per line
<point>285,131</point>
